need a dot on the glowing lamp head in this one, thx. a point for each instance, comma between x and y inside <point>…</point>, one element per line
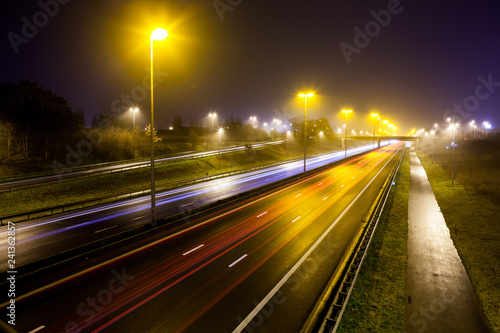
<point>306,95</point>
<point>159,34</point>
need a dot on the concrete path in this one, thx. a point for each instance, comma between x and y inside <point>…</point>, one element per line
<point>439,294</point>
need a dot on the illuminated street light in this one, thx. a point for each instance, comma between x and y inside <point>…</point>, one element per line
<point>134,111</point>
<point>473,126</point>
<point>220,132</point>
<point>305,124</point>
<point>486,125</point>
<point>346,113</point>
<point>391,126</point>
<point>253,121</point>
<point>287,134</point>
<point>158,34</point>
<point>374,116</point>
<point>454,127</point>
<point>320,135</point>
<point>433,133</point>
<point>212,115</point>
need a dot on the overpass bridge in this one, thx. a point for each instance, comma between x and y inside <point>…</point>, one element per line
<point>378,139</point>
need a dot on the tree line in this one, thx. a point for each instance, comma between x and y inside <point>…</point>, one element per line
<point>35,123</point>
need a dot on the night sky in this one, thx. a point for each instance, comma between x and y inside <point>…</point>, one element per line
<point>245,58</point>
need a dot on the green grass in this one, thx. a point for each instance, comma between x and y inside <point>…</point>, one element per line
<point>130,181</point>
<point>121,183</point>
<point>471,209</point>
<point>377,300</point>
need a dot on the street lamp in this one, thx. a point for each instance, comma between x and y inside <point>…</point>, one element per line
<point>374,116</point>
<point>346,113</point>
<point>220,132</point>
<point>486,125</point>
<point>433,143</point>
<point>212,115</point>
<point>305,123</point>
<point>134,111</point>
<point>454,126</point>
<point>320,135</point>
<point>157,34</point>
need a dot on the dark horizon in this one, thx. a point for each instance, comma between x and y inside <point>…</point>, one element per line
<point>251,59</point>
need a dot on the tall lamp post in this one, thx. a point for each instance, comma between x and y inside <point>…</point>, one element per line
<point>287,134</point>
<point>212,115</point>
<point>433,133</point>
<point>157,34</point>
<point>345,144</point>
<point>220,132</point>
<point>134,111</point>
<point>374,116</point>
<point>305,124</point>
<point>454,126</point>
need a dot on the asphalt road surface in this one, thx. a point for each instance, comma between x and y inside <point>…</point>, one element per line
<point>257,266</point>
<point>44,237</point>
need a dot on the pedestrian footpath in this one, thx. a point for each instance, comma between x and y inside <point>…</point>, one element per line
<point>439,294</point>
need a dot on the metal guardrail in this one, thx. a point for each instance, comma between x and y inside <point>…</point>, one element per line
<point>92,202</point>
<point>344,288</point>
<point>143,164</point>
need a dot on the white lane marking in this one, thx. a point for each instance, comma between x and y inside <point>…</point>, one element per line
<point>285,278</point>
<point>325,198</point>
<point>298,195</point>
<point>189,203</point>
<point>334,176</point>
<point>105,229</point>
<point>342,186</point>
<point>136,218</point>
<point>152,244</point>
<point>192,250</point>
<point>296,219</point>
<point>320,184</point>
<point>238,260</point>
<point>353,177</point>
<point>37,329</point>
<point>262,214</point>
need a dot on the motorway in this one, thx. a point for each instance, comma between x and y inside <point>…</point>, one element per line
<point>44,237</point>
<point>63,174</point>
<point>259,265</point>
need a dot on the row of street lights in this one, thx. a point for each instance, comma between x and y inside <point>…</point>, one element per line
<point>160,34</point>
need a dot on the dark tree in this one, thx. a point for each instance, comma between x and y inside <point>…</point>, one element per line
<point>39,118</point>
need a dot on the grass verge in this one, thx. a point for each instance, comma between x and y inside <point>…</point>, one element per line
<point>377,300</point>
<point>475,230</point>
<point>131,181</point>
